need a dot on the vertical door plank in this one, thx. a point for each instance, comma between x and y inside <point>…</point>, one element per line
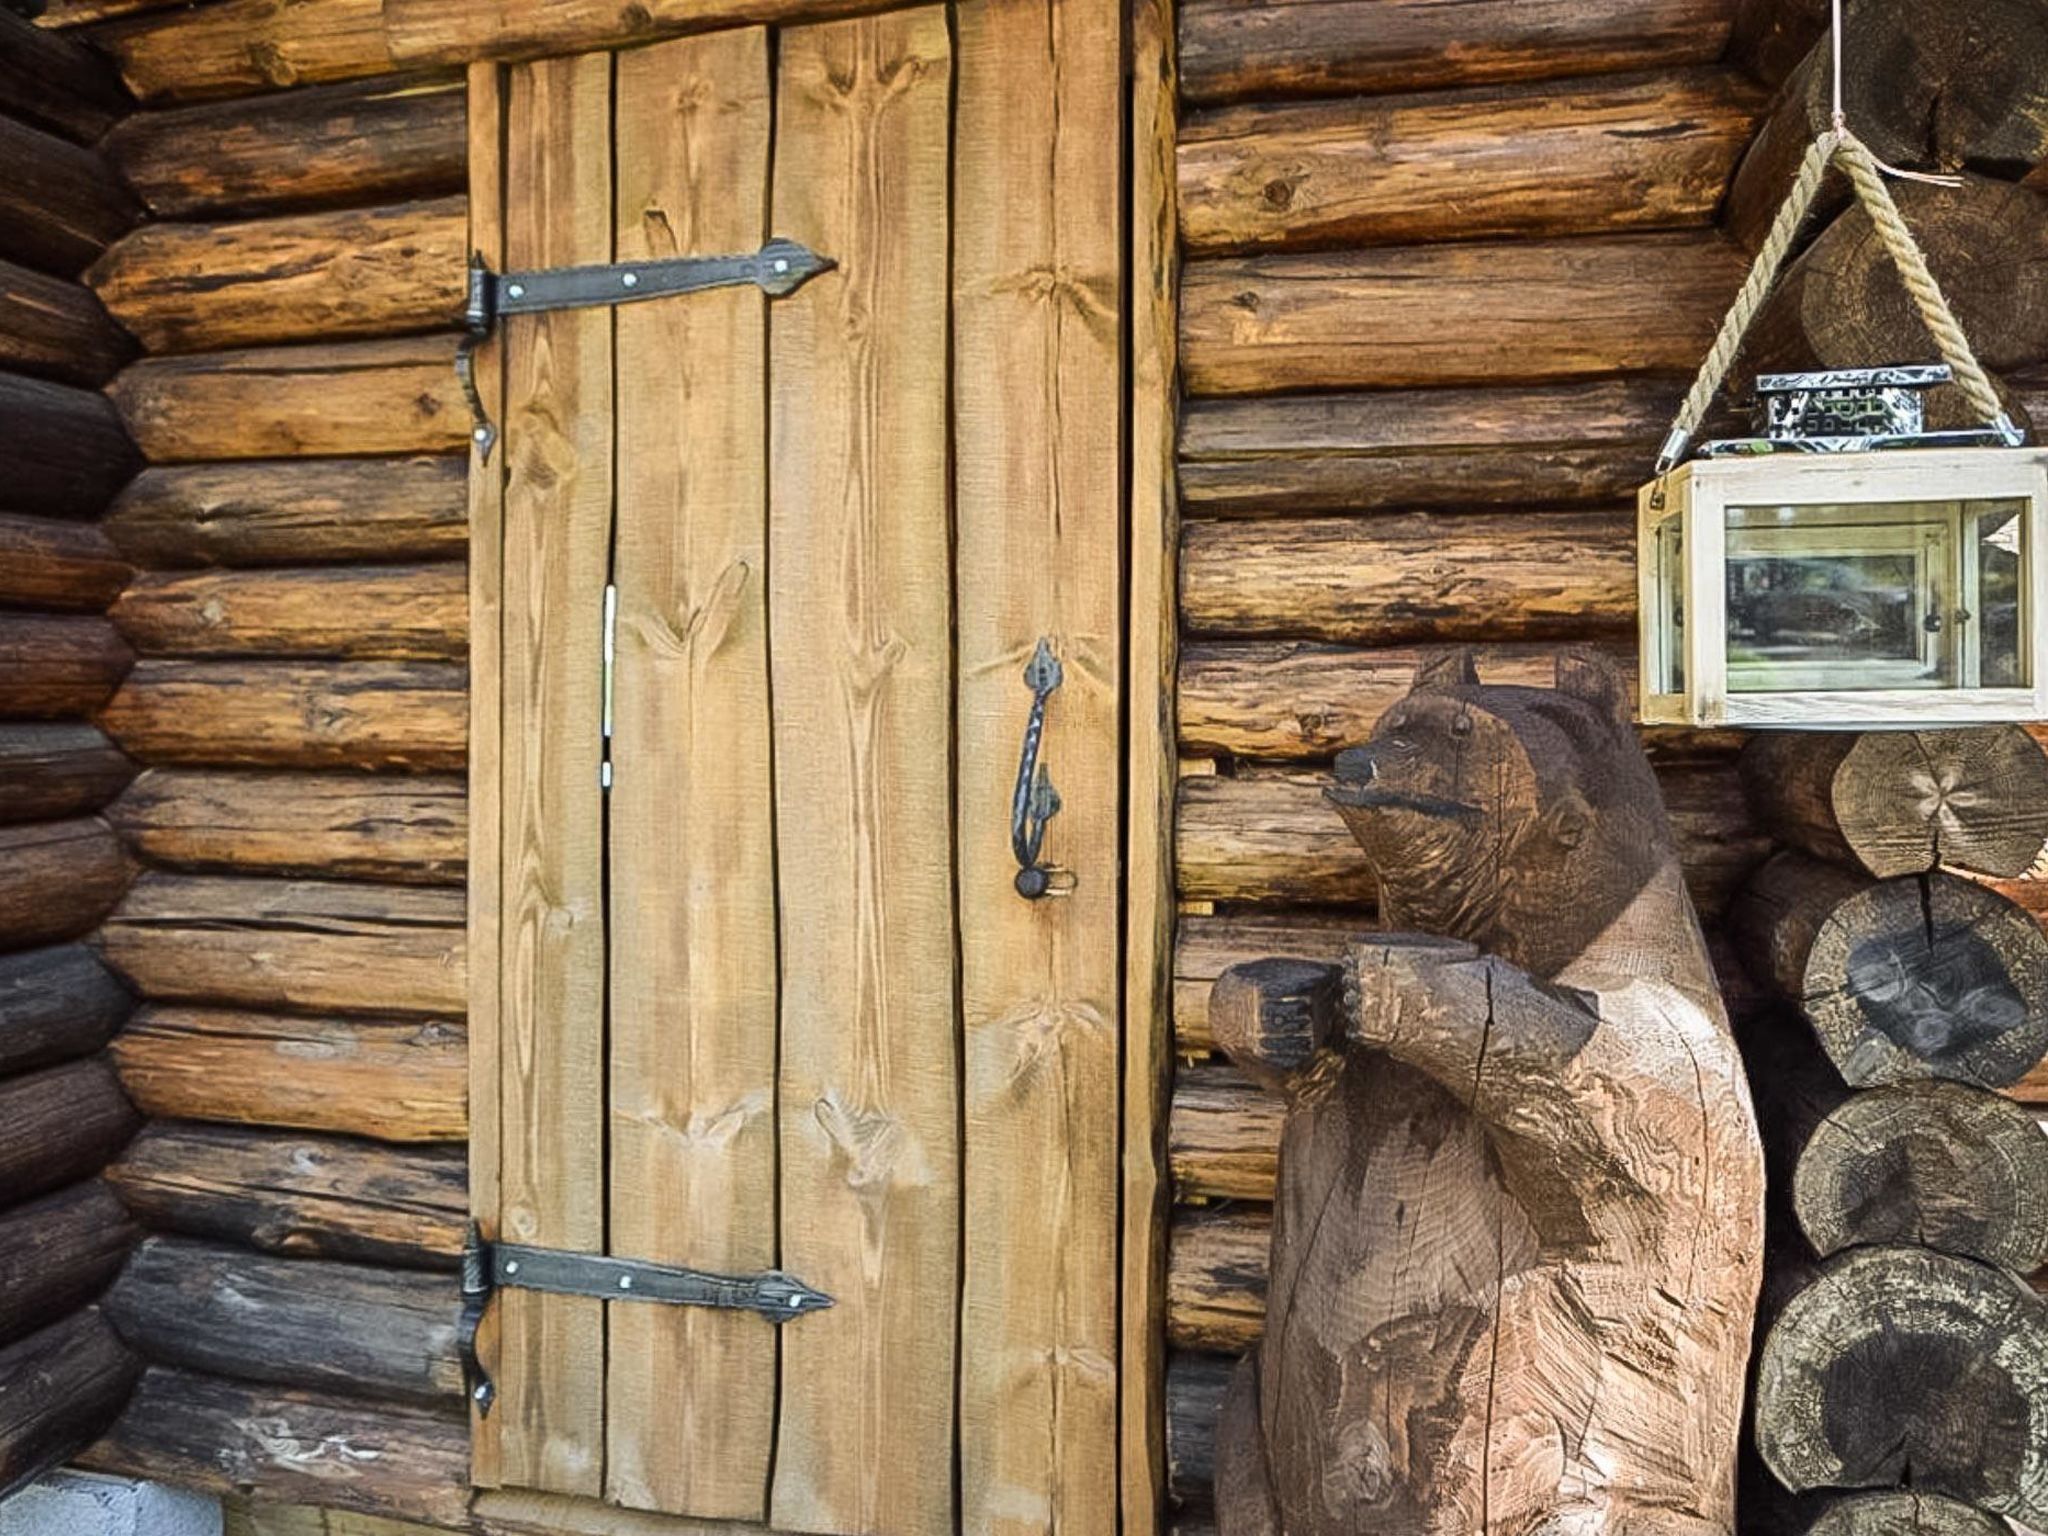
<point>691,1399</point>
<point>860,621</point>
<point>486,574</point>
<point>558,498</point>
<point>1037,386</point>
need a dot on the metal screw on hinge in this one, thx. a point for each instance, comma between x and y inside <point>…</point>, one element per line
<point>629,279</point>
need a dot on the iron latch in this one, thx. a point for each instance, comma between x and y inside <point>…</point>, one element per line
<point>488,1267</point>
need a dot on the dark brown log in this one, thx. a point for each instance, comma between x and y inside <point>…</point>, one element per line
<point>1273,1014</point>
<point>55,1004</point>
<point>273,1443</point>
<point>57,82</point>
<point>63,451</point>
<point>1223,1135</point>
<point>60,1125</point>
<point>294,944</point>
<point>58,1389</point>
<point>359,714</point>
<point>1420,450</point>
<point>47,564</point>
<point>408,828</point>
<point>1216,1278</point>
<point>61,204</point>
<point>294,512</point>
<point>55,328</point>
<point>1205,947</point>
<point>48,772</point>
<point>1899,1362</point>
<point>388,1334</point>
<point>58,1253</point>
<point>394,1079</point>
<point>1884,1514</point>
<point>1230,50</point>
<point>1476,313</point>
<point>54,668</point>
<point>1923,976</point>
<point>359,397</point>
<point>327,1196</point>
<point>1385,580</point>
<point>308,276</point>
<point>57,879</point>
<point>72,13</point>
<point>1585,157</point>
<point>395,611</point>
<point>243,47</point>
<point>359,142</point>
<point>1772,36</point>
<point>1901,802</point>
<point>1194,1398</point>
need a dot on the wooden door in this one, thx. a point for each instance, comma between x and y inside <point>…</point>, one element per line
<point>772,1000</point>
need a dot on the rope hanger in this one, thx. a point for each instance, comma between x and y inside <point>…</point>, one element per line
<point>1866,173</point>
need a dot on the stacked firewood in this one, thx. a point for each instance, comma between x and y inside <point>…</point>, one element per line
<point>1905,1017</point>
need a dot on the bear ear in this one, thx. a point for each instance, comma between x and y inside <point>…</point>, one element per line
<point>1451,667</point>
<point>1590,676</point>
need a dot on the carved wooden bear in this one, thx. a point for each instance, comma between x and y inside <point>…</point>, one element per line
<point>1516,1245</point>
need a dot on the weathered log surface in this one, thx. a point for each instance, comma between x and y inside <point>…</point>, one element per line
<point>58,1389</point>
<point>377,612</point>
<point>61,204</point>
<point>294,512</point>
<point>55,328</point>
<point>64,452</point>
<point>358,714</point>
<point>1230,50</point>
<point>410,828</point>
<point>1585,157</point>
<point>325,276</point>
<point>1922,976</point>
<point>455,31</point>
<point>1482,312</point>
<point>1195,1385</point>
<point>394,1079</point>
<point>273,1443</point>
<point>58,878</point>
<point>56,1004</point>
<point>1902,802</point>
<point>1901,1361</point>
<point>60,1125</point>
<point>58,1253</point>
<point>56,668</point>
<point>1223,1135</point>
<point>1940,1164</point>
<point>331,1197</point>
<point>243,47</point>
<point>1204,947</point>
<point>59,769</point>
<point>1883,1514</point>
<point>57,82</point>
<point>45,563</point>
<point>387,1334</point>
<point>356,142</point>
<point>297,944</point>
<point>1216,1278</point>
<point>1420,450</point>
<point>361,397</point>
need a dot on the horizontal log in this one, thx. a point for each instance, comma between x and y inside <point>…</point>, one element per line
<point>51,771</point>
<point>55,328</point>
<point>1195,1384</point>
<point>392,611</point>
<point>371,1332</point>
<point>242,47</point>
<point>56,1004</point>
<point>1204,947</point>
<point>1231,50</point>
<point>252,1517</point>
<point>1425,576</point>
<point>408,828</point>
<point>394,1079</point>
<point>1216,1265</point>
<point>294,512</point>
<point>1770,37</point>
<point>302,944</point>
<point>1583,157</point>
<point>45,563</point>
<point>378,140</point>
<point>61,204</point>
<point>59,1125</point>
<point>63,451</point>
<point>1563,445</point>
<point>58,1253</point>
<point>58,1389</point>
<point>1477,313</point>
<point>357,714</point>
<point>53,668</point>
<point>72,13</point>
<point>306,276</point>
<point>58,879</point>
<point>454,31</point>
<point>1222,1135</point>
<point>331,1197</point>
<point>56,82</point>
<point>360,397</point>
<point>269,1442</point>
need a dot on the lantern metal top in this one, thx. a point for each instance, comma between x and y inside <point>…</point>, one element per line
<point>1853,410</point>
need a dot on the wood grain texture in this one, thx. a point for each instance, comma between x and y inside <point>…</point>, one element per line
<point>393,611</point>
<point>455,31</point>
<point>61,203</point>
<point>394,1079</point>
<point>58,878</point>
<point>1477,313</point>
<point>55,328</point>
<point>48,771</point>
<point>63,565</point>
<point>65,452</point>
<point>1216,1287</point>
<point>860,620</point>
<point>1223,1135</point>
<point>690,1399</point>
<point>249,1517</point>
<point>59,1388</point>
<point>245,47</point>
<point>302,277</point>
<point>61,1124</point>
<point>59,1252</point>
<point>57,1003</point>
<point>1205,946</point>
<point>56,668</point>
<point>56,82</point>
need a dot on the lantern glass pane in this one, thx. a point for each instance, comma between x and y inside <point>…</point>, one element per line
<point>1667,662</point>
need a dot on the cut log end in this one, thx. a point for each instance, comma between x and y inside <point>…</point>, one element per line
<point>1903,1513</point>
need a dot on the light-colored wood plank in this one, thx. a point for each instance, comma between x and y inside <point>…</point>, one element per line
<point>690,1397</point>
<point>860,634</point>
<point>1037,383</point>
<point>558,492</point>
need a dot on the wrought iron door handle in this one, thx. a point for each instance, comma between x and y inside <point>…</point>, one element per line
<point>1034,802</point>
